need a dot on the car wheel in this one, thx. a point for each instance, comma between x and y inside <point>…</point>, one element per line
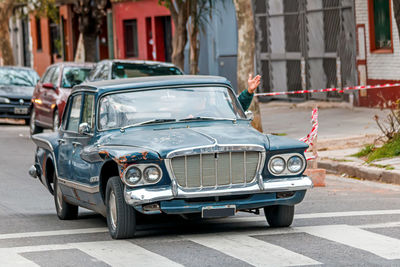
<point>34,129</point>
<point>27,121</point>
<point>121,218</point>
<point>279,215</point>
<point>56,121</point>
<point>65,211</point>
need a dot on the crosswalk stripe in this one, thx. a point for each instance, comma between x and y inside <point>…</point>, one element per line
<point>383,246</point>
<point>123,253</point>
<point>13,259</point>
<point>55,232</point>
<point>253,251</point>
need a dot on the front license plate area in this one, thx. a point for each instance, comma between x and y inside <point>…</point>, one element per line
<point>218,211</point>
<point>20,110</point>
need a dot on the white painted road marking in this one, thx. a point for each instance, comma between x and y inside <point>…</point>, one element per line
<point>123,253</point>
<point>383,246</point>
<point>253,251</point>
<point>55,232</point>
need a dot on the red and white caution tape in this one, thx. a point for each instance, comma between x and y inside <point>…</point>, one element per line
<point>340,90</point>
<point>309,139</point>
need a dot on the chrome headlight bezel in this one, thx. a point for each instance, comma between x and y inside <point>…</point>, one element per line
<point>286,157</point>
<point>271,165</point>
<point>289,165</point>
<point>142,168</point>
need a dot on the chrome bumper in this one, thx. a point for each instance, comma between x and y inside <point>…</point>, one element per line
<point>141,196</point>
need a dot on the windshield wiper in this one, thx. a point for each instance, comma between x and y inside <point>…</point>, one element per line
<point>146,122</point>
<point>207,119</point>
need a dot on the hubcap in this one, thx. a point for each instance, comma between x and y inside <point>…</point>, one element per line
<point>59,198</point>
<point>112,205</point>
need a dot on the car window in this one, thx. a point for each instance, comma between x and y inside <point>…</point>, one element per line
<point>48,75</point>
<point>74,113</point>
<point>103,75</point>
<point>88,110</point>
<point>95,76</point>
<point>73,76</point>
<point>130,70</point>
<point>18,76</point>
<point>54,78</point>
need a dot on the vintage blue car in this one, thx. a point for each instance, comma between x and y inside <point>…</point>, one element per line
<point>167,144</point>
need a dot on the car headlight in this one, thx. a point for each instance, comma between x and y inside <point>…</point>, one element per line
<point>133,176</point>
<point>152,174</point>
<point>277,165</point>
<point>295,164</point>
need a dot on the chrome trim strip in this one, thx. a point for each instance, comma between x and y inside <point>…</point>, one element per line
<point>215,148</point>
<point>148,195</point>
<point>79,186</point>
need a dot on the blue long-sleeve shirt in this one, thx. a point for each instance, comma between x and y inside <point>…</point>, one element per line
<point>245,99</point>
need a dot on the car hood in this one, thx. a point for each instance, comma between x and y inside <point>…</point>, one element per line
<point>11,91</point>
<point>166,140</point>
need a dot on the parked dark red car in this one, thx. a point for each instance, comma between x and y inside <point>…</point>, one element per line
<point>52,91</point>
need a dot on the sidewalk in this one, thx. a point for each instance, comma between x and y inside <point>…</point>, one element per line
<point>343,131</point>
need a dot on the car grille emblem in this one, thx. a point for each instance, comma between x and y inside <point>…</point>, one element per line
<point>21,101</point>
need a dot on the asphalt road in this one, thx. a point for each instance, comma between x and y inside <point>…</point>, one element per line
<point>349,222</point>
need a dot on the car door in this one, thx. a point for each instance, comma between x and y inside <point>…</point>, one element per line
<point>41,111</point>
<point>68,134</point>
<point>82,170</point>
<point>50,96</point>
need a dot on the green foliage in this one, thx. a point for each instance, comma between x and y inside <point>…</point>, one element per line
<point>365,151</point>
<point>388,150</point>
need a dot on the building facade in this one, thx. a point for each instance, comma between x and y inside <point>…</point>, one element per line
<point>378,51</point>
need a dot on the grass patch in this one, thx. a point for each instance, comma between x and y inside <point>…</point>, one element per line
<point>279,134</point>
<point>367,150</point>
<point>386,167</point>
<point>341,160</point>
<point>388,150</point>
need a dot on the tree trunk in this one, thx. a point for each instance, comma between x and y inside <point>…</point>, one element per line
<point>5,43</point>
<point>396,11</point>
<point>179,39</point>
<point>194,38</point>
<point>245,57</point>
<point>90,46</point>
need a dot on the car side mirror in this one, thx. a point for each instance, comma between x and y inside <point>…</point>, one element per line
<point>48,86</point>
<point>84,128</point>
<point>249,115</point>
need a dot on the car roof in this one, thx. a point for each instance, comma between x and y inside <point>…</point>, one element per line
<point>151,81</point>
<point>146,62</point>
<point>73,64</point>
<point>17,67</point>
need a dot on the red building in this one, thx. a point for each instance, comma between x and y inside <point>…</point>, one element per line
<point>142,30</point>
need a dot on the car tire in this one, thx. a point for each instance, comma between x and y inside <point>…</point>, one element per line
<point>279,215</point>
<point>34,129</point>
<point>56,121</point>
<point>65,211</point>
<point>121,218</point>
<point>27,121</point>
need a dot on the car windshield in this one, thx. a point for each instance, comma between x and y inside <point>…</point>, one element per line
<point>74,75</point>
<point>131,70</point>
<point>127,109</point>
<point>18,77</point>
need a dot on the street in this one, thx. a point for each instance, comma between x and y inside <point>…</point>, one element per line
<point>348,222</point>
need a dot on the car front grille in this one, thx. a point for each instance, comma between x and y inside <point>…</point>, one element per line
<point>215,169</point>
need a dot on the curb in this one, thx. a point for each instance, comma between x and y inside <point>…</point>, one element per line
<point>361,171</point>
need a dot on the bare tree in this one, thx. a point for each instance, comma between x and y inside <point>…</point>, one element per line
<point>91,14</point>
<point>180,13</point>
<point>6,8</point>
<point>245,57</point>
